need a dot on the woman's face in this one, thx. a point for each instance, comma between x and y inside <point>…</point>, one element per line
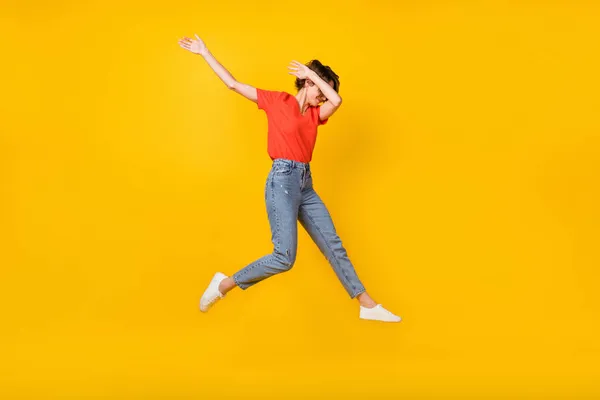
<point>313,94</point>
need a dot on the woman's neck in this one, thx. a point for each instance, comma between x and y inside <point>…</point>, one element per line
<point>301,98</point>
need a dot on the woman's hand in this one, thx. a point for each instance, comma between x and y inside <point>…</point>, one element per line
<point>195,46</point>
<point>300,70</point>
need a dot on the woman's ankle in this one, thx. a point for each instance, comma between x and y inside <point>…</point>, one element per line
<point>226,285</point>
<point>365,300</point>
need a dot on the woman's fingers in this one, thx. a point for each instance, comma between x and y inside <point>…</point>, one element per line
<point>293,71</point>
<point>296,65</point>
<point>197,37</point>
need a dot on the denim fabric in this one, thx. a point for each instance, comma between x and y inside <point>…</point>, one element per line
<point>290,197</point>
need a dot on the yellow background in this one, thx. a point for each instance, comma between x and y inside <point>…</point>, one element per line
<point>462,173</point>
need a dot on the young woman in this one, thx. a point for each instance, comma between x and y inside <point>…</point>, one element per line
<point>289,193</point>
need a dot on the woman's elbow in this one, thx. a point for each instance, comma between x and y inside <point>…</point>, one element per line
<point>337,102</point>
<point>231,85</point>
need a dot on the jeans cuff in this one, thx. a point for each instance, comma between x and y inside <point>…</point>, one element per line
<point>242,286</point>
<point>357,292</point>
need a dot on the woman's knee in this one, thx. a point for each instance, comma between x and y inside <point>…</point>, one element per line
<point>286,258</point>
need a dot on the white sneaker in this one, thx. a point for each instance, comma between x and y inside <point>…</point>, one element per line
<point>211,294</point>
<point>378,313</point>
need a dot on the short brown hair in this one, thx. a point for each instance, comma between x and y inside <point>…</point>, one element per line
<point>323,71</point>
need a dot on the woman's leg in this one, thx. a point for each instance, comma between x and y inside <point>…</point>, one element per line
<point>317,221</point>
<point>282,196</point>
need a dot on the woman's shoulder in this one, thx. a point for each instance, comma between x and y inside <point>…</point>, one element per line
<point>275,94</point>
<point>268,98</point>
<point>284,94</point>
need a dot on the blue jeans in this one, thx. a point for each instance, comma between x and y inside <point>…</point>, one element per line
<point>290,197</point>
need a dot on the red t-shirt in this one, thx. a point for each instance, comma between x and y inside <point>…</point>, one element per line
<point>291,135</point>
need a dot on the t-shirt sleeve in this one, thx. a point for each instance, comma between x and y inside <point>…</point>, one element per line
<point>318,112</point>
<point>266,98</point>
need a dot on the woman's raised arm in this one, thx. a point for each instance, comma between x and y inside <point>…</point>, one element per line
<point>199,47</point>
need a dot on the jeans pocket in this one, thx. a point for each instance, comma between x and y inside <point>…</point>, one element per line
<point>283,170</point>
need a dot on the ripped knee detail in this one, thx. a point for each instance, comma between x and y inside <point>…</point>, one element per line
<point>287,258</point>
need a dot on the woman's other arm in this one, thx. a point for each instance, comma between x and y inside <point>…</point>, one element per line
<point>199,47</point>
